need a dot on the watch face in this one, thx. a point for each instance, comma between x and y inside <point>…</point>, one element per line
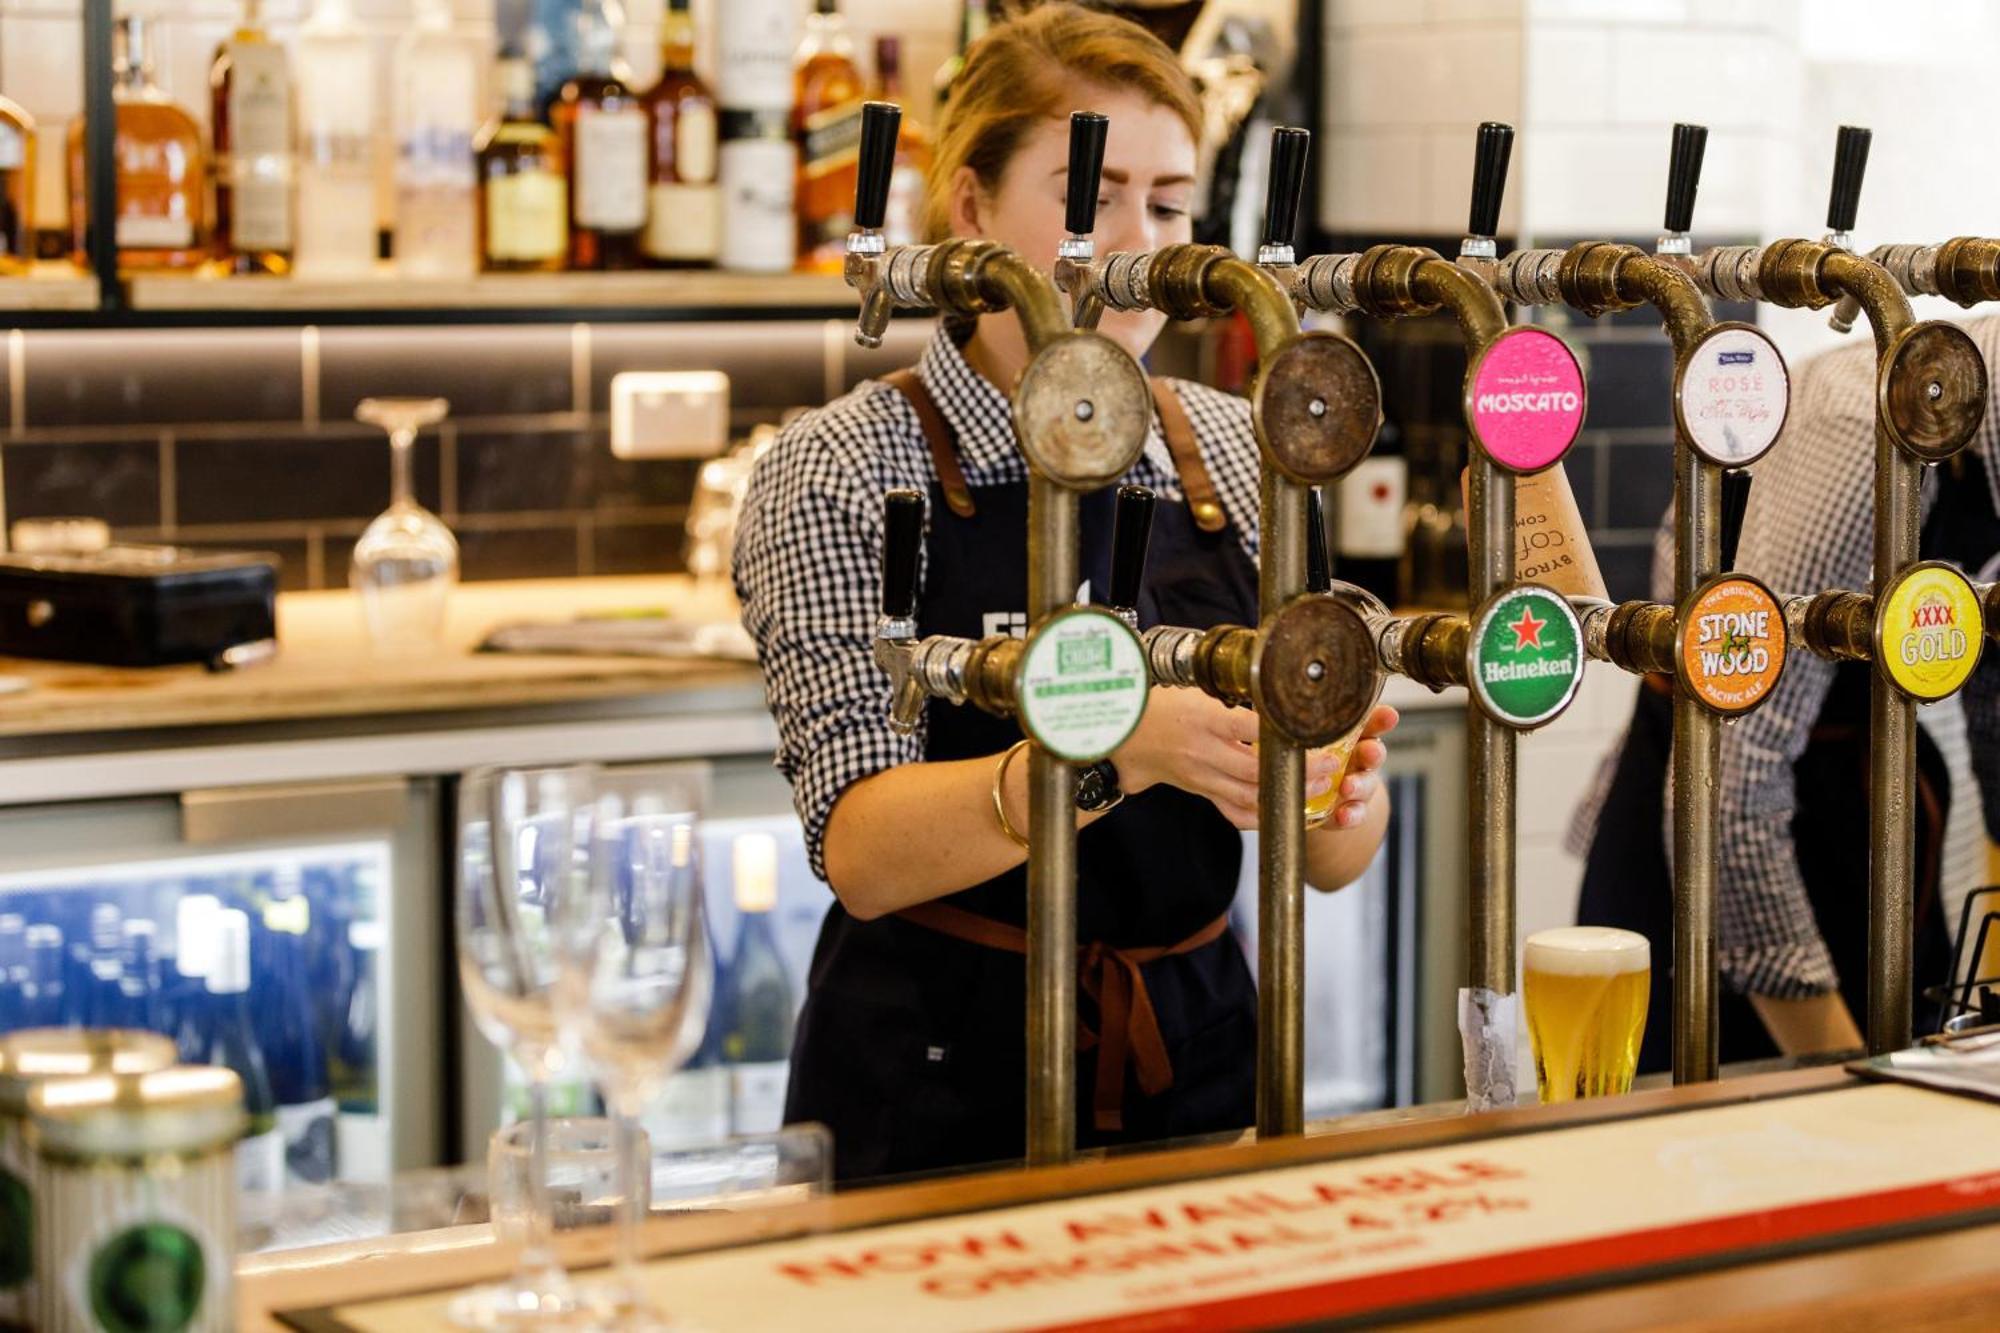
<point>1097,787</point>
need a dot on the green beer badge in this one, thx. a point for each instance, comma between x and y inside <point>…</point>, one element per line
<point>147,1278</point>
<point>1082,685</point>
<point>1526,656</point>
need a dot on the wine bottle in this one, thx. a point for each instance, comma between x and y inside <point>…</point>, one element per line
<point>101,1000</point>
<point>229,1042</point>
<point>363,1135</point>
<point>693,1108</point>
<point>194,957</point>
<point>141,985</point>
<point>292,1051</point>
<point>437,115</point>
<point>1371,528</point>
<point>13,968</point>
<point>43,993</point>
<point>756,158</point>
<point>758,1002</point>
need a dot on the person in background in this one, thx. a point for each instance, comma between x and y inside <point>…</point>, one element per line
<point>911,1043</point>
<point>1792,886</point>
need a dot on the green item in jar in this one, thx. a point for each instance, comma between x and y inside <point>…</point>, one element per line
<point>148,1279</point>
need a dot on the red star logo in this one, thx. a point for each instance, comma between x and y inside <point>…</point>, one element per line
<point>1527,630</point>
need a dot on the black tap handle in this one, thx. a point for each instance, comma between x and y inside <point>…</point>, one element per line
<point>1684,175</point>
<point>880,123</point>
<point>1086,164</point>
<point>1490,155</point>
<point>902,542</point>
<point>1850,164</point>
<point>1319,563</point>
<point>1131,533</point>
<point>1287,180</point>
<point>1735,499</point>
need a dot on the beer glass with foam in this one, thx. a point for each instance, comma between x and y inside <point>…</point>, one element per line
<point>1585,988</point>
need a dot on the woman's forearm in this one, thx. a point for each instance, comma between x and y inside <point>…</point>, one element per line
<point>1336,857</point>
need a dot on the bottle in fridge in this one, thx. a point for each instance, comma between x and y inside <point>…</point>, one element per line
<point>230,1042</point>
<point>195,948</point>
<point>293,1054</point>
<point>758,1001</point>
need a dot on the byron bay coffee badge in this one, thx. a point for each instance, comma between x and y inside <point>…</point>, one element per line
<point>1733,642</point>
<point>1526,400</point>
<point>1928,630</point>
<point>1732,395</point>
<point>1527,656</point>
<point>1082,684</point>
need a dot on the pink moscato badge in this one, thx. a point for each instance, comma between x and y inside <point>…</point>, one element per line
<point>1527,400</point>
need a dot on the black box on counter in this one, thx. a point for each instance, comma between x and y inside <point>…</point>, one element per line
<point>137,606</point>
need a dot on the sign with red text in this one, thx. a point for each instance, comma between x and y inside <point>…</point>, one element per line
<point>1732,395</point>
<point>1928,631</point>
<point>1338,1240</point>
<point>1526,399</point>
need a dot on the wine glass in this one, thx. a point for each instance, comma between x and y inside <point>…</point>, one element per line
<point>634,991</point>
<point>406,562</point>
<point>525,842</point>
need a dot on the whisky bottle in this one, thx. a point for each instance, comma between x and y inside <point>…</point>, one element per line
<point>826,123</point>
<point>973,21</point>
<point>684,204</point>
<point>250,111</point>
<point>337,232</point>
<point>755,41</point>
<point>437,115</point>
<point>17,188</point>
<point>903,223</point>
<point>603,130</point>
<point>161,215</point>
<point>524,196</point>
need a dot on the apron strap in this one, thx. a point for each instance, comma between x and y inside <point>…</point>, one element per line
<point>944,456</point>
<point>1129,1029</point>
<point>1204,505</point>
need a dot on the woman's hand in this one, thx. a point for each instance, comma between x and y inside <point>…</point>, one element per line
<point>1364,765</point>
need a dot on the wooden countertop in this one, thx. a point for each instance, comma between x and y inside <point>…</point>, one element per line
<point>1942,1280</point>
<point>325,668</point>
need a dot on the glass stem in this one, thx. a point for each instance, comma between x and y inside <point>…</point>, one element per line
<point>633,1191</point>
<point>538,1255</point>
<point>402,491</point>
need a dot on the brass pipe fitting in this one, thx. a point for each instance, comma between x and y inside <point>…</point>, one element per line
<point>1838,625</point>
<point>1635,636</point>
<point>1384,280</point>
<point>1967,270</point>
<point>1590,277</point>
<point>1430,649</point>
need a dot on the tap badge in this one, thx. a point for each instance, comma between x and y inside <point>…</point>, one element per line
<point>1526,401</point>
<point>1082,684</point>
<point>1928,630</point>
<point>1732,395</point>
<point>1527,656</point>
<point>1733,641</point>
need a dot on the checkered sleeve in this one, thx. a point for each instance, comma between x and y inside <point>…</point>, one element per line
<point>1809,528</point>
<point>807,569</point>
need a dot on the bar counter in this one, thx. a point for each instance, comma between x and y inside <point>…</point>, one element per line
<point>1789,1196</point>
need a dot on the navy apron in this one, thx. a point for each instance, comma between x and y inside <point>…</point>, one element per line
<point>1627,880</point>
<point>911,1045</point>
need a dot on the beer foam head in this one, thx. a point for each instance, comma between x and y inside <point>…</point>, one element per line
<point>1587,951</point>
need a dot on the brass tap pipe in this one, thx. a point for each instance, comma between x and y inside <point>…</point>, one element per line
<point>1634,636</point>
<point>1964,270</point>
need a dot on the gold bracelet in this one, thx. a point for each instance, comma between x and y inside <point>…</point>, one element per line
<point>999,785</point>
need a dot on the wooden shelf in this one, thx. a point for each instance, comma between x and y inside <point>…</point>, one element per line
<point>58,287</point>
<point>667,292</point>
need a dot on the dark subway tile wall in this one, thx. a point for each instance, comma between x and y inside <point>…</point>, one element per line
<point>245,439</point>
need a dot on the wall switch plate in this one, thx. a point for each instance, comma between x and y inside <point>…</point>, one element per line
<point>669,413</point>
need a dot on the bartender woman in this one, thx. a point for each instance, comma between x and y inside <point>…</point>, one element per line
<point>911,1045</point>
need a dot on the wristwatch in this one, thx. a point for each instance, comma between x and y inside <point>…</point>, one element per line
<point>1097,787</point>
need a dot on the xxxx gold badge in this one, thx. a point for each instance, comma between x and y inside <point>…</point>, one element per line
<point>1928,630</point>
<point>1732,644</point>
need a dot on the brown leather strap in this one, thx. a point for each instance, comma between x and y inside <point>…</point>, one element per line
<point>1129,1030</point>
<point>1204,505</point>
<point>944,454</point>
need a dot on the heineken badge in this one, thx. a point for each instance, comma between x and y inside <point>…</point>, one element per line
<point>1732,642</point>
<point>1731,395</point>
<point>1082,684</point>
<point>1928,630</point>
<point>1525,402</point>
<point>1527,656</point>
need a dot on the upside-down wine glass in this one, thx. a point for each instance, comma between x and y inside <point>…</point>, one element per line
<point>406,562</point>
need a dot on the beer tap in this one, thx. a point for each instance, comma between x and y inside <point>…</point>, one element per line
<point>1925,617</point>
<point>1081,411</point>
<point>1723,640</point>
<point>1315,406</point>
<point>1524,404</point>
<point>1077,250</point>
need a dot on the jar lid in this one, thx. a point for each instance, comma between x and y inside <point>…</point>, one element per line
<point>186,1108</point>
<point>29,1056</point>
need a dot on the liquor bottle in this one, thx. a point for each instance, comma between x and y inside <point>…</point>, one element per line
<point>757,1001</point>
<point>250,113</point>
<point>903,223</point>
<point>161,216</point>
<point>228,1041</point>
<point>548,43</point>
<point>43,1000</point>
<point>437,115</point>
<point>194,958</point>
<point>523,195</point>
<point>141,983</point>
<point>1371,501</point>
<point>17,188</point>
<point>336,99</point>
<point>684,206</point>
<point>693,1108</point>
<point>973,21</point>
<point>603,130</point>
<point>827,98</point>
<point>758,160</point>
<point>288,1032</point>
